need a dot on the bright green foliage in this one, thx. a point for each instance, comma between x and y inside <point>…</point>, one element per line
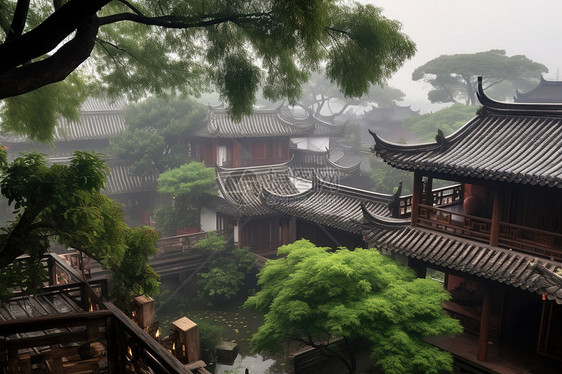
<point>447,120</point>
<point>454,77</point>
<point>228,271</point>
<point>185,185</point>
<point>133,276</point>
<point>312,295</point>
<point>168,47</point>
<point>61,203</point>
<point>156,133</point>
<point>190,181</point>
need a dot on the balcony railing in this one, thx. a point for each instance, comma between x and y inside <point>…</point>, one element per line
<point>525,239</point>
<point>442,196</point>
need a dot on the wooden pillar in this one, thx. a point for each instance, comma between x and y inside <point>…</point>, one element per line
<point>417,190</point>
<point>496,215</point>
<point>52,271</point>
<point>484,325</point>
<point>293,229</point>
<point>429,191</point>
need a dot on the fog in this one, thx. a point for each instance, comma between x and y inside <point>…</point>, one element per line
<point>438,27</point>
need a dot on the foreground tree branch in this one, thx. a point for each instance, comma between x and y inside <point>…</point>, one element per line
<point>53,69</point>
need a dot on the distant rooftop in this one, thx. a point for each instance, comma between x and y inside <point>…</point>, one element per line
<point>545,92</point>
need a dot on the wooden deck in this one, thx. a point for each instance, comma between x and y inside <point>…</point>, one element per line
<point>500,359</point>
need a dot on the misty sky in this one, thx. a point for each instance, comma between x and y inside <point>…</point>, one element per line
<point>532,28</point>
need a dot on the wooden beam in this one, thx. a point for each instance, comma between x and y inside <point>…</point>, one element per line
<point>52,321</point>
<point>429,191</point>
<point>417,189</point>
<point>496,216</point>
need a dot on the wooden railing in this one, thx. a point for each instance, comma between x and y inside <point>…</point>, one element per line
<point>127,347</point>
<point>525,239</point>
<point>442,196</point>
<point>181,243</point>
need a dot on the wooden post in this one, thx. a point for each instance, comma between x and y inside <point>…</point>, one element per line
<point>429,191</point>
<point>417,189</point>
<point>52,271</point>
<point>496,215</point>
<point>484,325</point>
<point>187,347</point>
<point>144,309</point>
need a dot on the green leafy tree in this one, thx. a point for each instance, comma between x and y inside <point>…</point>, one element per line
<point>228,272</point>
<point>454,77</point>
<point>386,179</point>
<point>313,295</point>
<point>185,186</point>
<point>63,203</point>
<point>140,48</point>
<point>447,120</point>
<point>156,133</point>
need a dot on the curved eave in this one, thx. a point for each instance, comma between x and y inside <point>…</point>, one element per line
<point>534,109</point>
<point>344,169</point>
<point>383,222</point>
<point>351,191</point>
<point>254,169</point>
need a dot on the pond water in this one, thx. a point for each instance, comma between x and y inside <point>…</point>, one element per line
<point>238,326</point>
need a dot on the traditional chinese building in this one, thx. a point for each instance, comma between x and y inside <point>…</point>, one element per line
<point>264,138</point>
<point>545,92</point>
<point>100,121</point>
<point>497,244</point>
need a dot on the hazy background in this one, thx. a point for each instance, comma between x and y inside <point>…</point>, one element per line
<point>438,27</point>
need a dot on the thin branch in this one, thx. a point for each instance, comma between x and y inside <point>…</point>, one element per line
<point>104,42</point>
<point>168,21</point>
<point>18,22</point>
<point>132,7</point>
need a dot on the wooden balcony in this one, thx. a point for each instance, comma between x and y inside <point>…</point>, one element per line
<point>501,359</point>
<point>451,220</point>
<point>443,196</point>
<point>68,328</point>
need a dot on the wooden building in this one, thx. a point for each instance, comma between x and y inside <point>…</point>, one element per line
<point>100,121</point>
<point>545,92</point>
<point>498,244</point>
<point>258,224</point>
<point>262,138</point>
<point>329,214</point>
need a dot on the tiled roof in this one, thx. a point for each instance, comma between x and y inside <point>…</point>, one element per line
<point>265,123</point>
<point>262,123</point>
<point>497,264</point>
<point>545,92</point>
<point>505,142</point>
<point>121,181</point>
<point>90,126</point>
<point>99,119</point>
<point>308,164</point>
<point>330,204</point>
<point>241,188</point>
<point>324,128</point>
